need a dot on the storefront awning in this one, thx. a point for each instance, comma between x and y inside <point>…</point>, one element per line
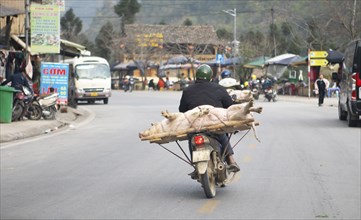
<point>7,11</point>
<point>21,43</point>
<point>67,48</point>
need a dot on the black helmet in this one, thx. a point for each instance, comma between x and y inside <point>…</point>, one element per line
<point>226,74</point>
<point>204,72</point>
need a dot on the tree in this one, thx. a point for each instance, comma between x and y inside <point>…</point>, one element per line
<point>127,9</point>
<point>222,33</point>
<point>70,25</point>
<point>187,22</point>
<point>104,41</point>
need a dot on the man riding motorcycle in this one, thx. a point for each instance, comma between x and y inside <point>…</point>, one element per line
<point>204,92</point>
<point>228,82</point>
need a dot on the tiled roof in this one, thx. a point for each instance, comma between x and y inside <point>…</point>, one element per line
<point>175,33</point>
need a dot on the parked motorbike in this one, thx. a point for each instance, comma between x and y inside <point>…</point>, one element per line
<point>25,104</point>
<point>48,105</point>
<point>209,163</point>
<point>128,85</point>
<point>270,94</point>
<point>18,106</point>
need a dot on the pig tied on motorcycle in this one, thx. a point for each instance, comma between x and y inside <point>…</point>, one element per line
<point>204,118</point>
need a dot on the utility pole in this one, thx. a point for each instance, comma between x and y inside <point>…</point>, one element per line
<point>27,22</point>
<point>273,33</point>
<point>235,42</point>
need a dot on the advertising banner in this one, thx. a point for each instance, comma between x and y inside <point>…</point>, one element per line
<point>55,75</point>
<point>45,29</point>
<point>60,3</point>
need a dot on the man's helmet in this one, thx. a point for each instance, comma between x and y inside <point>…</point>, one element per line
<point>226,74</point>
<point>204,72</point>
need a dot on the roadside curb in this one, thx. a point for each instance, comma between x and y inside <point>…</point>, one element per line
<point>30,128</point>
<point>328,101</point>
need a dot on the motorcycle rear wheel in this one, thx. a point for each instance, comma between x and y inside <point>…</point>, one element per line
<point>208,181</point>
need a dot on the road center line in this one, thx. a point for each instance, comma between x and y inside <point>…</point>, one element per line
<point>209,206</point>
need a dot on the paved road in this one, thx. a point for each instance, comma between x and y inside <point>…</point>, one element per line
<point>307,166</point>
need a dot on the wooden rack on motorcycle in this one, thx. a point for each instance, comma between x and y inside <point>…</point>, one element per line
<point>230,128</point>
<point>198,125</point>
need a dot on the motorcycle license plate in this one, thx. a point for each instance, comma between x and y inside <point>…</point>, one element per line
<point>94,94</point>
<point>202,155</point>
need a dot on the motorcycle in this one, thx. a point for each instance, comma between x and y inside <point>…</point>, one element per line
<point>48,105</point>
<point>128,85</point>
<point>255,89</point>
<point>210,167</point>
<point>25,104</point>
<point>270,94</point>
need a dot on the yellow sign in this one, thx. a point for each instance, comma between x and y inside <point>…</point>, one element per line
<point>318,54</point>
<point>318,62</point>
<point>149,40</point>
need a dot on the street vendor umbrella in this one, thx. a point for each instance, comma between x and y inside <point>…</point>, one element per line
<point>300,62</point>
<point>170,66</point>
<point>284,59</point>
<point>335,56</point>
<point>125,66</point>
<point>226,62</point>
<point>231,61</point>
<point>181,59</point>
<point>257,63</point>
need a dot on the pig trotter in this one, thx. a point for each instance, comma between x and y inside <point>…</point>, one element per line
<point>169,116</point>
<point>256,109</point>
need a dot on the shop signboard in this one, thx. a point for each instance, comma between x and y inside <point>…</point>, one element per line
<point>45,29</point>
<point>318,58</point>
<point>55,75</point>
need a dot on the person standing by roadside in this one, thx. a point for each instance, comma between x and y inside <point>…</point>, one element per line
<point>321,86</point>
<point>151,85</point>
<point>19,79</point>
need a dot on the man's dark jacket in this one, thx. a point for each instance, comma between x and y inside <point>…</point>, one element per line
<point>204,92</point>
<point>17,81</point>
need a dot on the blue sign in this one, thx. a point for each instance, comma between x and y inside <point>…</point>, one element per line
<point>55,75</point>
<point>219,58</point>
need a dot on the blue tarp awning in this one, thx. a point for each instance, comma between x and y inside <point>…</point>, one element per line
<point>226,62</point>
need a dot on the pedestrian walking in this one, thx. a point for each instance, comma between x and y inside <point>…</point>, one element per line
<point>321,86</point>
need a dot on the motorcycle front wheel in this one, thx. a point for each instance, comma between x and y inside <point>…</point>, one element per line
<point>35,112</point>
<point>17,110</point>
<point>208,181</point>
<point>51,114</point>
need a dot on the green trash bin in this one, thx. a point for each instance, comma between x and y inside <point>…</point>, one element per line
<point>6,103</point>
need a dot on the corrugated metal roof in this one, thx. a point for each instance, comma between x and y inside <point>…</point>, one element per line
<point>8,11</point>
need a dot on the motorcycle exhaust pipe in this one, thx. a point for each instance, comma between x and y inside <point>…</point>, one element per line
<point>220,166</point>
<point>222,174</point>
<point>46,113</point>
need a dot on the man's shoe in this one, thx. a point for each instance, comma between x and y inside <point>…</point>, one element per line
<point>194,175</point>
<point>233,168</point>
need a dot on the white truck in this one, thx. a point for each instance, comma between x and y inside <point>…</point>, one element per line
<point>92,78</point>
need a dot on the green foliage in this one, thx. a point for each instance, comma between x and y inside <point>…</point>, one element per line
<point>187,22</point>
<point>103,42</point>
<point>222,33</point>
<point>70,25</point>
<point>127,10</point>
<point>297,25</point>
